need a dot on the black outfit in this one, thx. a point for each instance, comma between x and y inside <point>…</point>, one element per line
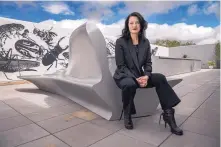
<point>134,61</point>
<point>130,61</point>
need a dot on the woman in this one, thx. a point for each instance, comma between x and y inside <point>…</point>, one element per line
<point>134,70</point>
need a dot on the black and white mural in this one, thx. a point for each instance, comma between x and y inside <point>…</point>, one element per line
<point>110,46</point>
<point>33,49</point>
<point>27,49</point>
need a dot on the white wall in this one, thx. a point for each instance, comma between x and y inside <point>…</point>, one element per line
<point>162,51</point>
<point>204,53</point>
<point>166,65</point>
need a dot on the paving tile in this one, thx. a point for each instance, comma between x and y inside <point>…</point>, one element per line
<point>9,92</point>
<point>44,106</point>
<point>149,130</point>
<point>48,141</point>
<point>156,117</point>
<point>203,127</point>
<point>84,114</point>
<point>212,103</point>
<point>183,90</point>
<point>28,109</point>
<point>53,111</point>
<point>208,114</point>
<point>25,106</point>
<point>218,90</point>
<point>59,123</point>
<point>4,106</point>
<point>184,110</point>
<point>6,111</point>
<point>83,135</point>
<point>13,122</point>
<point>36,98</point>
<point>110,125</point>
<point>50,98</point>
<point>61,100</point>
<point>35,104</point>
<point>190,102</point>
<point>209,110</point>
<point>204,92</point>
<point>21,135</point>
<point>206,89</point>
<point>190,140</point>
<point>216,95</point>
<point>119,140</point>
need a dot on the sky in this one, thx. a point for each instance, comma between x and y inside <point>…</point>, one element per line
<point>197,21</point>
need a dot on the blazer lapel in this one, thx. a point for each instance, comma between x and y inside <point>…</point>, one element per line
<point>133,54</point>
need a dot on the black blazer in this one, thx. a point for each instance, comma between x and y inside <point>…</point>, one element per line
<point>128,65</point>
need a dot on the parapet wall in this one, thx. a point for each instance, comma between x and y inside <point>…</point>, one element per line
<point>167,66</point>
<point>204,53</point>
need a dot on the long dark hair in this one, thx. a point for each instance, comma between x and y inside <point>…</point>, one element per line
<point>143,26</point>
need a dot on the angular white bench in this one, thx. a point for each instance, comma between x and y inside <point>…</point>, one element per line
<point>88,80</point>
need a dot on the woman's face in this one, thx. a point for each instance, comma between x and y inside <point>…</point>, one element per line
<point>134,25</point>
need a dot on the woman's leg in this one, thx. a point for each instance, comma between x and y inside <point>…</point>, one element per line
<point>166,94</point>
<point>128,87</point>
<point>168,99</point>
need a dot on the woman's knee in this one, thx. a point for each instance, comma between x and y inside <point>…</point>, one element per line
<point>160,78</point>
<point>129,84</point>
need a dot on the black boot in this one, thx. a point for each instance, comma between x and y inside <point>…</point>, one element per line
<point>168,117</point>
<point>127,118</point>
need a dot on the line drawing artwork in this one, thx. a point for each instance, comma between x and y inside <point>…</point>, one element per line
<point>20,50</point>
<point>30,48</point>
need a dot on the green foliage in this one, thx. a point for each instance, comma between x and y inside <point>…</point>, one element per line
<point>211,63</point>
<point>172,43</point>
<point>189,43</point>
<point>217,51</point>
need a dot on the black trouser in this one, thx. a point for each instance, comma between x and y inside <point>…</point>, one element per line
<point>166,94</point>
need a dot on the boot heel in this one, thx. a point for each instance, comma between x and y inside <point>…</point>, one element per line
<point>168,117</point>
<point>128,123</point>
<point>160,117</point>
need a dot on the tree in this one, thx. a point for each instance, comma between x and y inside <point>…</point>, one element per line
<point>189,43</point>
<point>217,51</point>
<point>172,43</point>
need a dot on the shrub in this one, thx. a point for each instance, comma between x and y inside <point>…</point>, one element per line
<point>211,63</point>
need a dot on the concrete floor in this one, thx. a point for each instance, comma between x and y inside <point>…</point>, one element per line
<point>33,118</point>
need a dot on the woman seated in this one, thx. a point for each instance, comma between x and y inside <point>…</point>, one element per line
<point>134,70</point>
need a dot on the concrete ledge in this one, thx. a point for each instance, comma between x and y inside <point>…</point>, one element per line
<point>167,65</point>
<point>161,57</point>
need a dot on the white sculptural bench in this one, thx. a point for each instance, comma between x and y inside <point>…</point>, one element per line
<point>88,79</point>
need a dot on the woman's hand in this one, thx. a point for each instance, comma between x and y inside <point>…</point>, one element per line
<point>143,81</point>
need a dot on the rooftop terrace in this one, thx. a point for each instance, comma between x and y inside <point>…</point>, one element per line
<point>32,118</point>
